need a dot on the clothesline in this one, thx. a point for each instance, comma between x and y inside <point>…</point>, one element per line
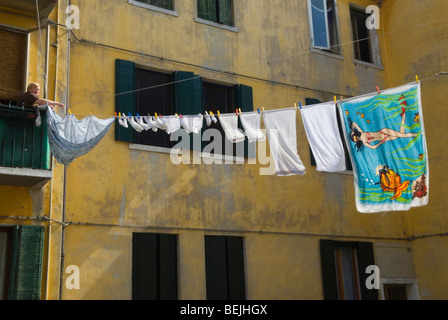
<point>259,109</point>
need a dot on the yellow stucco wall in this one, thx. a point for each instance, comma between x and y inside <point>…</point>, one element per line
<point>116,190</point>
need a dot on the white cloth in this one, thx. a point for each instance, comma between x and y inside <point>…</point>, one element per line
<point>192,123</point>
<point>172,123</point>
<point>321,127</point>
<point>150,121</point>
<point>229,122</point>
<point>70,138</point>
<point>282,136</point>
<point>251,124</point>
<point>210,118</point>
<point>142,124</point>
<point>122,121</point>
<point>134,124</point>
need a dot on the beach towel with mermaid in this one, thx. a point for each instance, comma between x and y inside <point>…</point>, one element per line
<point>386,140</point>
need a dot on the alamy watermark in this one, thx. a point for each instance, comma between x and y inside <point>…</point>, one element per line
<point>373,20</point>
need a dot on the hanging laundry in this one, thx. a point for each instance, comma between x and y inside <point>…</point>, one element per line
<point>282,136</point>
<point>70,138</point>
<point>150,121</point>
<point>134,124</point>
<point>172,123</point>
<point>229,122</point>
<point>122,121</point>
<point>251,122</point>
<point>386,139</point>
<point>192,123</point>
<point>321,127</point>
<point>142,124</point>
<point>209,118</point>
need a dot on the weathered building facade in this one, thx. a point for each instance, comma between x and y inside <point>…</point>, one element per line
<point>130,220</point>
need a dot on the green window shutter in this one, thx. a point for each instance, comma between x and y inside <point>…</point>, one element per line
<point>235,261</point>
<point>166,4</point>
<point>225,12</point>
<point>187,99</point>
<point>216,268</point>
<point>224,265</point>
<point>125,97</point>
<point>154,267</point>
<point>328,269</point>
<point>364,252</point>
<point>243,96</point>
<point>207,10</point>
<point>26,263</point>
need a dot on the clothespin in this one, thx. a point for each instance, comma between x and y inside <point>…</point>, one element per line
<point>300,105</point>
<point>335,100</point>
<point>138,115</point>
<point>378,89</point>
<point>69,111</point>
<point>119,114</point>
<point>236,111</point>
<point>156,115</point>
<point>342,98</point>
<point>416,78</point>
<point>129,114</point>
<point>258,110</point>
<point>295,105</point>
<point>262,108</point>
<point>219,114</point>
<point>177,115</point>
<point>115,114</point>
<point>239,109</point>
<point>212,114</point>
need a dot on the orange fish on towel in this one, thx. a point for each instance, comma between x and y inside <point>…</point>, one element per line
<point>390,181</point>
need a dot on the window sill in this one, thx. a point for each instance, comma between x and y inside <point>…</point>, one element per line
<point>153,8</point>
<point>211,158</point>
<point>368,64</point>
<point>329,54</point>
<point>216,25</point>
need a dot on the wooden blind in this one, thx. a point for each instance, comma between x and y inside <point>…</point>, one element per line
<point>12,65</point>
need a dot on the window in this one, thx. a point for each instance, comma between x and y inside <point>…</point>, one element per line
<point>224,265</point>
<point>343,266</point>
<point>154,267</point>
<point>365,41</point>
<point>324,25</point>
<point>153,95</point>
<point>12,65</point>
<point>165,4</point>
<point>395,292</point>
<point>219,11</point>
<point>348,163</point>
<point>141,91</point>
<point>21,252</point>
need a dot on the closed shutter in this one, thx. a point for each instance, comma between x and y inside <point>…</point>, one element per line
<point>224,263</point>
<point>225,12</point>
<point>26,263</point>
<point>328,269</point>
<point>364,252</point>
<point>187,99</point>
<point>207,10</point>
<point>310,102</point>
<point>166,4</point>
<point>243,96</point>
<point>125,97</point>
<point>12,65</point>
<point>154,267</point>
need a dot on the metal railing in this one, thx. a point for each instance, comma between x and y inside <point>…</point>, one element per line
<point>22,143</point>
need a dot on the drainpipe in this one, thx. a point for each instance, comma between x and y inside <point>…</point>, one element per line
<point>64,203</point>
<point>52,166</point>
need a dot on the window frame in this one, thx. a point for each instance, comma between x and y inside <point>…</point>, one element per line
<point>372,40</point>
<point>217,24</point>
<point>333,48</point>
<point>155,8</point>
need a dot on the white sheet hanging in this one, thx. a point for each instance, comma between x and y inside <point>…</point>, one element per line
<point>172,124</point>
<point>70,138</point>
<point>229,122</point>
<point>251,122</point>
<point>321,127</point>
<point>282,136</point>
<point>192,123</point>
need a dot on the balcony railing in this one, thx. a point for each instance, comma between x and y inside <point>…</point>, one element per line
<point>24,149</point>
